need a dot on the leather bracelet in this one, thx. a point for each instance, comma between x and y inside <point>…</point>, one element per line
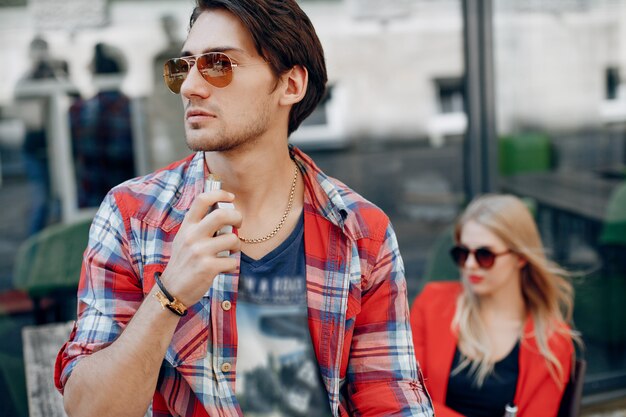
<point>157,279</point>
<point>167,300</point>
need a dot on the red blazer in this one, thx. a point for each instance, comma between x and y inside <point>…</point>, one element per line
<point>537,394</point>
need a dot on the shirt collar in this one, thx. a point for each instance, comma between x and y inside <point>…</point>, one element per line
<point>322,195</point>
<point>193,183</point>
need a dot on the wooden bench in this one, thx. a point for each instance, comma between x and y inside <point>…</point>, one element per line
<point>41,345</point>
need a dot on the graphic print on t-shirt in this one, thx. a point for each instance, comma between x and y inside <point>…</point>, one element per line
<point>277,373</point>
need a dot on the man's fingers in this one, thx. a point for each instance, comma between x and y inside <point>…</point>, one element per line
<point>225,265</point>
<point>228,241</point>
<point>203,203</point>
<point>218,219</point>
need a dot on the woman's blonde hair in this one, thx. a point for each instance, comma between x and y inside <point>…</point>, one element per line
<point>547,293</point>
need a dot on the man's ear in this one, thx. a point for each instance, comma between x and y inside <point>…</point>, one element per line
<point>294,84</point>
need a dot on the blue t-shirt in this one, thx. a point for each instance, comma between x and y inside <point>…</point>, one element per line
<point>277,372</point>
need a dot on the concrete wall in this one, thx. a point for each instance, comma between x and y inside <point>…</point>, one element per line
<point>388,70</point>
<point>550,68</point>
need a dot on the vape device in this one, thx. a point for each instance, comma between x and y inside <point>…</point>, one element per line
<point>213,183</point>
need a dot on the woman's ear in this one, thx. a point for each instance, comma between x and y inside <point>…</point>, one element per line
<point>521,262</point>
<point>294,86</point>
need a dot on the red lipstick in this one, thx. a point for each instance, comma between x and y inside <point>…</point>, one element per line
<point>475,279</point>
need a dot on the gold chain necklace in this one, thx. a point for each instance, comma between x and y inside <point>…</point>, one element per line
<point>282,220</point>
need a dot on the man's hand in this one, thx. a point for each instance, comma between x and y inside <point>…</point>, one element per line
<point>194,263</point>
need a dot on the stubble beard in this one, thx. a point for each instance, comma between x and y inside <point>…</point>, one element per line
<point>228,139</point>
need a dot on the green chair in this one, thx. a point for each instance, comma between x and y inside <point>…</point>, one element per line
<point>528,152</point>
<point>48,266</point>
<point>600,310</point>
<point>439,266</point>
<point>600,299</point>
<point>614,227</point>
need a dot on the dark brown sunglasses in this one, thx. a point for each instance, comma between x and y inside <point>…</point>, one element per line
<point>485,257</point>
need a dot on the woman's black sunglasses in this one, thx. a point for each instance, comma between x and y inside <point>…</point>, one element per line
<point>485,257</point>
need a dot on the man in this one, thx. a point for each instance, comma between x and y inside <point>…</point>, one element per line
<point>34,111</point>
<point>164,317</point>
<point>102,136</point>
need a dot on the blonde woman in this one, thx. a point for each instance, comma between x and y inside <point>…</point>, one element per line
<point>500,336</point>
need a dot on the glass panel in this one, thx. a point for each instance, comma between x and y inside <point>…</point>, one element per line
<point>392,126</point>
<point>561,111</point>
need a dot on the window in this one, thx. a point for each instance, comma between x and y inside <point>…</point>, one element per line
<point>451,94</point>
<point>611,82</point>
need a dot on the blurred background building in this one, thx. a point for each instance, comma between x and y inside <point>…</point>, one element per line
<point>430,103</point>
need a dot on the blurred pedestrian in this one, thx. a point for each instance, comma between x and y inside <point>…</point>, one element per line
<point>501,335</point>
<point>102,135</point>
<point>35,112</point>
<point>43,64</point>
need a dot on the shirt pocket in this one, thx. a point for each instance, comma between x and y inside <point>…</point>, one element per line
<point>191,337</point>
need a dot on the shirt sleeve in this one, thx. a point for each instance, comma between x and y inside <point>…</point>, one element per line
<point>109,291</point>
<point>383,376</point>
<point>418,331</point>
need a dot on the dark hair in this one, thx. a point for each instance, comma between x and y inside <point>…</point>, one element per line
<point>285,37</point>
<point>106,60</point>
<point>38,43</point>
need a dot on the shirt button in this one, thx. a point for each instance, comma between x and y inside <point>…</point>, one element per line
<point>226,305</point>
<point>226,367</point>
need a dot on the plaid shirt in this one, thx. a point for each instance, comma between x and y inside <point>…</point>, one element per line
<point>356,294</point>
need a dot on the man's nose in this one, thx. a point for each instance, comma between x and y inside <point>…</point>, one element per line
<point>195,85</point>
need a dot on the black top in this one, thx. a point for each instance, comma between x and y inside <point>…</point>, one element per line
<point>489,400</point>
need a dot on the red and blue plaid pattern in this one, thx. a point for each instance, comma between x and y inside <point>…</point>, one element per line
<point>356,294</point>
